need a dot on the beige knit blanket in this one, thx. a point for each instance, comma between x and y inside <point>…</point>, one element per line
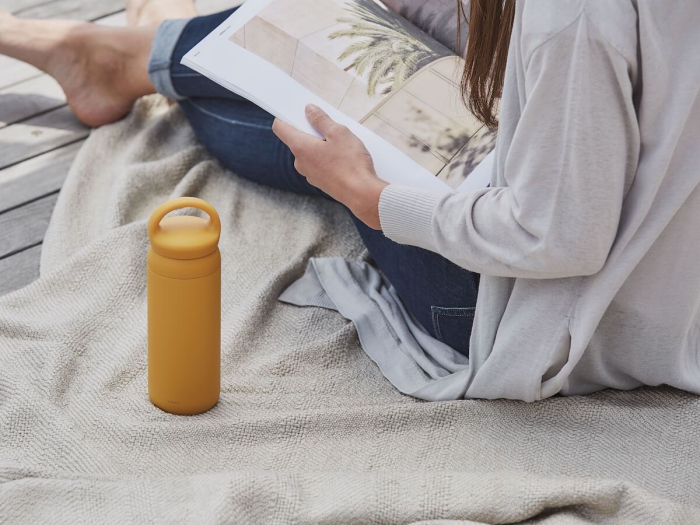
<point>307,429</point>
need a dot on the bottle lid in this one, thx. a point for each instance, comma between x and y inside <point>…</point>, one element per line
<point>184,237</point>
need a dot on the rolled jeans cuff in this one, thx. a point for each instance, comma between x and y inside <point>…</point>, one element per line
<point>159,62</point>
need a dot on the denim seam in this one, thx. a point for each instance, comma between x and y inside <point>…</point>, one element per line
<point>158,65</point>
<point>451,312</point>
<point>183,75</point>
<point>224,119</point>
<point>455,311</point>
<point>436,326</point>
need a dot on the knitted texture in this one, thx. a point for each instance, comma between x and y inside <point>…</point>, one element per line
<point>307,430</point>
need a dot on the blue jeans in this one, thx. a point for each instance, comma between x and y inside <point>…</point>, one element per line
<point>438,293</point>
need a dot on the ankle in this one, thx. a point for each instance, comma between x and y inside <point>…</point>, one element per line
<point>137,61</point>
<point>123,54</point>
<point>5,16</point>
<point>6,20</point>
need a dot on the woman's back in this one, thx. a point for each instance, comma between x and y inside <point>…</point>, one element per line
<point>650,332</point>
<point>637,318</point>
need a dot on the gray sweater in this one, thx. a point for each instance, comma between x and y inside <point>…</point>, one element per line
<point>588,241</point>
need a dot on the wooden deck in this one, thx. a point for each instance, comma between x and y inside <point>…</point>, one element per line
<point>39,138</point>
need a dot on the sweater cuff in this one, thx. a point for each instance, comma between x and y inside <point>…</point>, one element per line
<point>406,215</point>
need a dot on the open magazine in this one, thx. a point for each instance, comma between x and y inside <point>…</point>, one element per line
<point>371,70</point>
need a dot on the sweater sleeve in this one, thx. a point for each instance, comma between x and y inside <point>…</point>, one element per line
<point>574,146</point>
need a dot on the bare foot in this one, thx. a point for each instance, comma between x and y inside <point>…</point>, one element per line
<point>102,70</point>
<point>153,12</point>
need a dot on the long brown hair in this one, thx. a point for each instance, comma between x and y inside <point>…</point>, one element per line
<point>490,24</point>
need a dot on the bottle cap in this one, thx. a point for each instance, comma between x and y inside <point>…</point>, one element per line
<point>184,237</point>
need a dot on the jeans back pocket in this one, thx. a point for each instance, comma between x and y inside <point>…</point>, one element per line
<point>453,326</point>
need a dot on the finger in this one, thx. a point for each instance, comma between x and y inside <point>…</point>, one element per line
<point>292,137</point>
<point>320,120</point>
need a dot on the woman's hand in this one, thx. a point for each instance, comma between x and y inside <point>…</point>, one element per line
<point>339,164</point>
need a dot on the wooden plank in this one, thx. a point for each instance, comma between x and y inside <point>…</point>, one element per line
<point>33,86</point>
<point>29,188</point>
<point>115,20</point>
<point>14,71</point>
<point>39,135</point>
<point>13,6</point>
<point>31,97</point>
<point>37,177</point>
<point>42,9</point>
<point>25,226</point>
<point>206,7</point>
<point>73,9</point>
<point>18,270</point>
<point>25,92</point>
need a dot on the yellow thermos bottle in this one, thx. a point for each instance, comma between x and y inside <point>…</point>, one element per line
<point>184,308</point>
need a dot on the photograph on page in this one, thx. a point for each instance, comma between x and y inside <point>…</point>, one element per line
<point>374,66</point>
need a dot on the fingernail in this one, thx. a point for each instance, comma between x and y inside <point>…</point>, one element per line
<point>310,108</point>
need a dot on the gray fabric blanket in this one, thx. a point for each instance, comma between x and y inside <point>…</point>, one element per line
<point>307,429</point>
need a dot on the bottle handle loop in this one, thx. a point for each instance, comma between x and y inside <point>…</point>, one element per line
<point>183,202</point>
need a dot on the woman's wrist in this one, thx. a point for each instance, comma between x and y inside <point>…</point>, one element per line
<point>365,205</point>
<point>339,164</point>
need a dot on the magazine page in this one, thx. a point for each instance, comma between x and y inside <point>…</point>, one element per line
<point>349,57</point>
<point>351,53</point>
<point>426,118</point>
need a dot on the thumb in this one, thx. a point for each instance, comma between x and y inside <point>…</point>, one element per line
<point>320,120</point>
